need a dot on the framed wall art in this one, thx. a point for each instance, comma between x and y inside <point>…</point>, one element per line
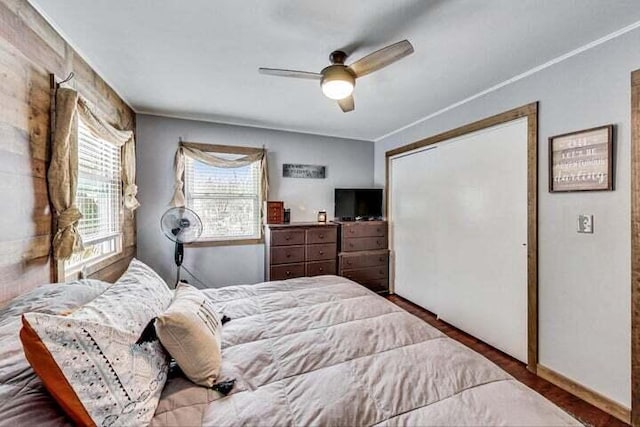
<point>582,161</point>
<point>290,170</point>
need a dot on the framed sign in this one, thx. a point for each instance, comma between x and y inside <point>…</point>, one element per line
<point>581,161</point>
<point>290,170</point>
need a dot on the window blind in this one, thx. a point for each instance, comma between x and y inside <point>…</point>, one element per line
<point>98,196</point>
<point>226,199</point>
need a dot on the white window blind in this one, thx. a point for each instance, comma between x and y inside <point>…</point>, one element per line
<point>226,199</point>
<point>98,197</point>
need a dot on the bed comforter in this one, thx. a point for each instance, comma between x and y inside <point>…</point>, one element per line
<point>326,351</point>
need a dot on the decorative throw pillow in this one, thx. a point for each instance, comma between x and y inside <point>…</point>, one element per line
<point>190,331</point>
<point>89,360</point>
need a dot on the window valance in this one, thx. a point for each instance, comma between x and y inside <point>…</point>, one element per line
<point>211,155</point>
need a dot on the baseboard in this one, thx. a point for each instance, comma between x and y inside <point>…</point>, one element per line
<point>607,405</point>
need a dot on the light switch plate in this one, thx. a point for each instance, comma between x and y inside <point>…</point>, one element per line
<point>585,223</point>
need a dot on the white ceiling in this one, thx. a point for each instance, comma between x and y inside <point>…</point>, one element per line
<point>199,58</point>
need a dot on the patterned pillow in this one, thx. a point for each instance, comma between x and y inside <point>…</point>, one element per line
<point>190,331</point>
<point>89,360</point>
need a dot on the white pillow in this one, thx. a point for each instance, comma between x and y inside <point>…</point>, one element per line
<point>89,360</point>
<point>190,331</point>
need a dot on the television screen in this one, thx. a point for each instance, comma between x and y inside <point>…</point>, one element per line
<point>358,203</point>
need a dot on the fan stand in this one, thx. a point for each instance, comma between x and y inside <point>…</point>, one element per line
<point>178,256</point>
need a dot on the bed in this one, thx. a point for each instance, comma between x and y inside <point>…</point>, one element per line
<point>314,351</point>
<point>327,351</point>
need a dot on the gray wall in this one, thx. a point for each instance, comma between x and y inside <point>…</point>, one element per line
<point>584,280</point>
<point>349,164</point>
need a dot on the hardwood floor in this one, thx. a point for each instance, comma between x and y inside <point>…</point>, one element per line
<point>581,410</point>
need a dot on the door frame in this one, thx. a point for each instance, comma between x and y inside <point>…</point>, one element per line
<point>635,248</point>
<point>530,111</point>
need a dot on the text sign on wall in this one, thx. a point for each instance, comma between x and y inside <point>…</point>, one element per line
<point>581,161</point>
<point>290,170</point>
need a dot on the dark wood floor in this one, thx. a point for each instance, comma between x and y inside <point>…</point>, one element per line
<point>581,410</point>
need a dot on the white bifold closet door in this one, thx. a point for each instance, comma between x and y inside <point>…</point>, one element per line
<point>458,217</point>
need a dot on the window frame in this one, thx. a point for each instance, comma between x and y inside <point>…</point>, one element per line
<point>91,266</point>
<point>225,149</point>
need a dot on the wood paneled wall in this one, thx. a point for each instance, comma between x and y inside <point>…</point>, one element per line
<point>30,49</point>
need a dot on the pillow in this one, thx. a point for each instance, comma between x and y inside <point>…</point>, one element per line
<point>24,400</point>
<point>190,331</point>
<point>89,361</point>
<point>54,298</point>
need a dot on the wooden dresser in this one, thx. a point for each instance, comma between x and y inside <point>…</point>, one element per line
<point>364,253</point>
<point>300,249</point>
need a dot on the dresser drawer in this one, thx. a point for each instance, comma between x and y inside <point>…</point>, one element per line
<point>365,274</point>
<point>364,244</point>
<point>321,252</point>
<point>364,259</point>
<point>287,254</point>
<point>322,235</point>
<point>363,229</point>
<point>376,285</point>
<point>375,278</point>
<point>320,268</point>
<point>286,271</point>
<point>287,237</point>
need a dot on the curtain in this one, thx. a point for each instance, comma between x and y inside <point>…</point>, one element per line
<point>119,138</point>
<point>62,175</point>
<point>199,152</point>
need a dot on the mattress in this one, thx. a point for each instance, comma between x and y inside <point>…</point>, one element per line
<point>327,351</point>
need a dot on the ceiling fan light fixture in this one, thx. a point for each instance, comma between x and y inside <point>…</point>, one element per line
<point>337,89</point>
<point>337,82</point>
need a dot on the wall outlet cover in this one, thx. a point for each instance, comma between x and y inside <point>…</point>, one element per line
<point>585,223</point>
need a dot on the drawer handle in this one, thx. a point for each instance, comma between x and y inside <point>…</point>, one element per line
<point>352,231</point>
<point>321,236</point>
<point>348,262</point>
<point>321,252</point>
<point>287,238</point>
<point>381,259</point>
<point>378,242</point>
<point>288,255</point>
<point>288,273</point>
<point>321,269</point>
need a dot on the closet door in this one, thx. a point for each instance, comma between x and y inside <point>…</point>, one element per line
<point>458,215</point>
<point>414,226</point>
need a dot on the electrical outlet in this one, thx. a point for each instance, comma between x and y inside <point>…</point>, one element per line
<point>585,224</point>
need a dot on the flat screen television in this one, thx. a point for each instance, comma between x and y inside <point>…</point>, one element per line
<point>355,204</point>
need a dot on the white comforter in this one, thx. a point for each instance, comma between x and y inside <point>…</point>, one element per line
<point>326,351</point>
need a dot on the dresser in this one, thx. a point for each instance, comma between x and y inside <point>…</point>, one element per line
<point>300,249</point>
<point>364,253</point>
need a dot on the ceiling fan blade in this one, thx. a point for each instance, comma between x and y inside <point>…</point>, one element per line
<point>347,104</point>
<point>290,73</point>
<point>381,58</point>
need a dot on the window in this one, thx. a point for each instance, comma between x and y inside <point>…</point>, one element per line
<point>226,199</point>
<point>99,198</point>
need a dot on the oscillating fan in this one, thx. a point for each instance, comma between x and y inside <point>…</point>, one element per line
<point>181,225</point>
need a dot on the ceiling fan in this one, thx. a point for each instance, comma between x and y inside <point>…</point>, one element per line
<point>338,80</point>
